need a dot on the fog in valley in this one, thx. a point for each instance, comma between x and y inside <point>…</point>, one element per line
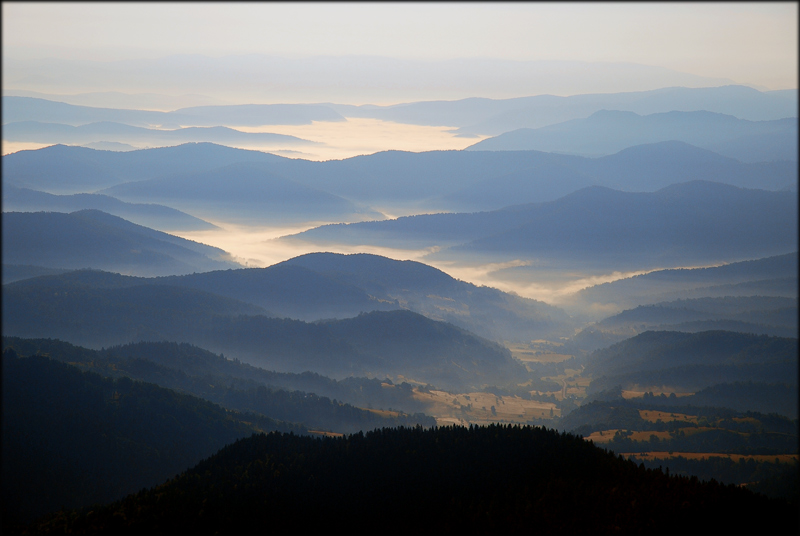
<point>501,265</point>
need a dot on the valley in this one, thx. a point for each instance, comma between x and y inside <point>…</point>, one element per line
<point>444,295</point>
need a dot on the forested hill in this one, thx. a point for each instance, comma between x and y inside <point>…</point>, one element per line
<point>307,398</point>
<point>495,479</point>
<point>94,239</point>
<point>73,438</point>
<point>410,344</point>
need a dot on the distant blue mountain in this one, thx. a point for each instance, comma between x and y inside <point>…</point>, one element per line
<point>739,101</point>
<point>697,221</point>
<point>36,132</point>
<point>606,132</point>
<point>243,192</point>
<point>769,276</point>
<point>94,239</point>
<point>149,215</point>
<point>63,169</point>
<point>458,181</point>
<point>479,116</point>
<point>17,109</point>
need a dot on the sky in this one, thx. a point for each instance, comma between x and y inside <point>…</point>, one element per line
<point>749,43</point>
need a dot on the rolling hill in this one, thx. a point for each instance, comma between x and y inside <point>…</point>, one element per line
<point>99,309</point>
<point>94,239</point>
<point>693,361</point>
<point>65,170</point>
<point>148,215</point>
<point>461,181</point>
<point>18,109</point>
<point>769,276</point>
<point>493,479</point>
<point>694,222</point>
<point>107,131</point>
<point>72,439</point>
<point>244,193</point>
<point>610,131</point>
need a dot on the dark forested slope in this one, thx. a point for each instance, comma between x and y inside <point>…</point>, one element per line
<point>494,479</point>
<point>73,438</point>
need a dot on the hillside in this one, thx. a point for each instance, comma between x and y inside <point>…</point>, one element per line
<point>768,276</point>
<point>458,181</point>
<point>66,170</point>
<point>94,239</point>
<point>18,108</point>
<point>244,193</point>
<point>426,290</point>
<point>692,361</point>
<point>689,223</point>
<point>664,226</point>
<point>72,438</point>
<point>148,215</point>
<point>758,312</point>
<point>610,131</point>
<point>108,131</point>
<point>494,479</point>
<point>242,388</point>
<point>104,313</point>
<point>286,290</point>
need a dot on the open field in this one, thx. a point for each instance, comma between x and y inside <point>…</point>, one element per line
<point>574,383</point>
<point>533,353</point>
<point>663,416</point>
<point>605,436</point>
<point>770,458</point>
<point>483,408</point>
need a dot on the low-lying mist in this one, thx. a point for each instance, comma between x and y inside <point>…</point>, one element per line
<point>259,247</point>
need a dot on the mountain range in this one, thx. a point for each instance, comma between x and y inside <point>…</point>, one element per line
<point>243,193</point>
<point>37,132</point>
<point>150,215</point>
<point>481,116</point>
<point>607,132</point>
<point>30,109</point>
<point>98,309</point>
<point>770,276</point>
<point>761,315</point>
<point>692,361</point>
<point>91,238</point>
<point>693,222</point>
<point>461,181</point>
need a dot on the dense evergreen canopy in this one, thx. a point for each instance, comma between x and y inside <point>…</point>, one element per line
<point>494,479</point>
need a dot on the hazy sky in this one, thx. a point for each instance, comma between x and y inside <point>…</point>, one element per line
<point>751,43</point>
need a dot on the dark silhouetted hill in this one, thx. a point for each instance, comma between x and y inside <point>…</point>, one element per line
<point>494,479</point>
<point>73,438</point>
